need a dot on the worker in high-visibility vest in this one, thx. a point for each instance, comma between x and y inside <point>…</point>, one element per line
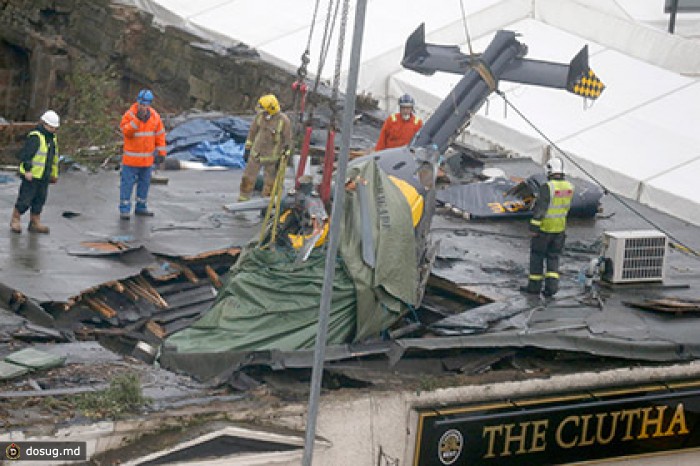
<point>38,168</point>
<point>548,228</point>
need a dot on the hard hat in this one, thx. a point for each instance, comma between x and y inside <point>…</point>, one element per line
<point>269,103</point>
<point>51,118</point>
<point>555,166</point>
<point>406,101</point>
<point>145,97</point>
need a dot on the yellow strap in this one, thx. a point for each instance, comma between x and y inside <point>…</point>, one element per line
<point>485,74</point>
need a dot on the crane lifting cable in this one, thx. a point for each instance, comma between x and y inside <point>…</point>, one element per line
<point>676,244</point>
<point>466,28</point>
<point>329,156</point>
<point>331,18</point>
<point>299,86</point>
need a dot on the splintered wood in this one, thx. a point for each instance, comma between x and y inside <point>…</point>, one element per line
<point>668,305</point>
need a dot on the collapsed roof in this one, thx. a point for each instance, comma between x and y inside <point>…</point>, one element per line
<point>479,262</point>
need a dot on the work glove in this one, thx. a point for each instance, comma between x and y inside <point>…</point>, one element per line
<point>246,154</point>
<point>53,180</point>
<point>160,159</point>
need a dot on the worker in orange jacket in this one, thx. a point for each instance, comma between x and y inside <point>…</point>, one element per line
<point>144,134</point>
<point>398,130</point>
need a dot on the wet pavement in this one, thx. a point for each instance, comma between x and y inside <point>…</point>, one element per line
<point>188,220</point>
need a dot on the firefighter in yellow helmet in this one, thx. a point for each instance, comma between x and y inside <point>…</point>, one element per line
<point>269,137</point>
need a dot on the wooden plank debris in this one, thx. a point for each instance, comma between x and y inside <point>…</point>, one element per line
<point>188,273</point>
<point>215,253</point>
<point>213,276</point>
<point>155,329</point>
<point>676,306</point>
<point>100,307</point>
<point>458,290</point>
<point>151,291</point>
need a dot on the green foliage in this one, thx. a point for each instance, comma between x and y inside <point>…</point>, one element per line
<point>123,396</point>
<point>90,110</point>
<point>428,384</point>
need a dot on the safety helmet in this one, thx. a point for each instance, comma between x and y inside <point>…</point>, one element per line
<point>269,103</point>
<point>51,118</point>
<point>555,166</point>
<point>406,101</point>
<point>145,97</point>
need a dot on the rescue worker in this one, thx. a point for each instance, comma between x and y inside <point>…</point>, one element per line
<point>144,135</point>
<point>398,130</point>
<point>38,168</point>
<point>269,137</point>
<point>548,228</point>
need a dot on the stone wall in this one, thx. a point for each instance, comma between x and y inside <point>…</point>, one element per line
<point>41,41</point>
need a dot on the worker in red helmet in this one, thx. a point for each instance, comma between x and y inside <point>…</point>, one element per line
<point>398,130</point>
<point>38,168</point>
<point>144,141</point>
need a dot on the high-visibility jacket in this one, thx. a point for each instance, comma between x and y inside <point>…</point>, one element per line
<point>397,132</point>
<point>268,138</point>
<point>141,138</point>
<point>39,159</point>
<point>558,195</point>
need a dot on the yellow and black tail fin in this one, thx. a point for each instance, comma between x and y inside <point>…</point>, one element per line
<point>582,80</point>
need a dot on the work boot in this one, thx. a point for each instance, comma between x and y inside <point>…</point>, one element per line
<point>15,224</point>
<point>532,287</point>
<point>143,213</point>
<point>243,198</point>
<point>551,286</point>
<point>526,289</point>
<point>35,225</point>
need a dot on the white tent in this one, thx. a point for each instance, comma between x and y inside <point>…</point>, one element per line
<point>640,139</point>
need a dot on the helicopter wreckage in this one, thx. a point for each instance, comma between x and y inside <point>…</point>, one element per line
<point>270,298</point>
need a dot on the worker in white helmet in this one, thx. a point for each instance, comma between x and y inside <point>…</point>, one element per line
<point>548,228</point>
<point>38,167</point>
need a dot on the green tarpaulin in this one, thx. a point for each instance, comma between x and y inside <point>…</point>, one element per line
<point>269,303</point>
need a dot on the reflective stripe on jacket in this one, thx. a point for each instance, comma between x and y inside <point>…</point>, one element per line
<point>141,138</point>
<point>397,132</point>
<point>561,192</point>
<point>269,138</point>
<point>39,159</point>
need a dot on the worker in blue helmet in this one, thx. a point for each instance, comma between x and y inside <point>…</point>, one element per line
<point>145,97</point>
<point>144,140</point>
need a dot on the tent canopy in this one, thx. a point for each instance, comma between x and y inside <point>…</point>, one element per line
<point>638,139</point>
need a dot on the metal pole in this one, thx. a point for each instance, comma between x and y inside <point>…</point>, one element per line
<point>336,221</point>
<point>672,21</point>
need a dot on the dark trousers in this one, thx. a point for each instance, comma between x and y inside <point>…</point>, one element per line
<point>545,249</point>
<point>32,194</point>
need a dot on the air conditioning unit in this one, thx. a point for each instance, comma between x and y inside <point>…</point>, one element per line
<point>634,256</point>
